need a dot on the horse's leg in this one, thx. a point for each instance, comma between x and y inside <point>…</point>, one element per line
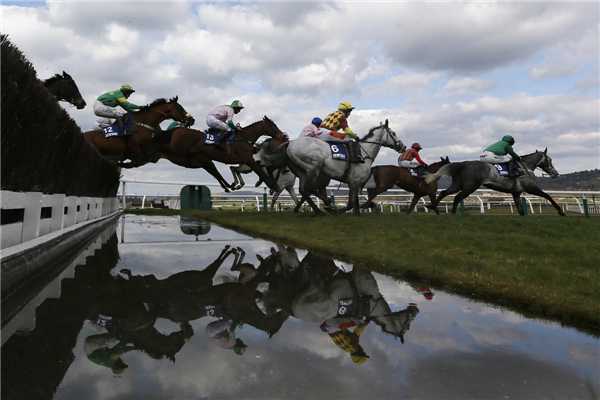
<point>258,170</point>
<point>464,193</point>
<point>275,197</point>
<point>356,205</point>
<point>235,173</point>
<point>210,167</point>
<point>455,186</point>
<point>413,203</point>
<point>292,193</point>
<point>539,192</point>
<point>431,195</point>
<point>517,200</point>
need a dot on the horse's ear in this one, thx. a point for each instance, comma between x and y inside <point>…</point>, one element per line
<point>273,251</point>
<point>545,151</point>
<point>64,73</point>
<point>386,123</point>
<point>260,258</point>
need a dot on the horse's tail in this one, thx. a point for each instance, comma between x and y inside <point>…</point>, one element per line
<point>448,169</point>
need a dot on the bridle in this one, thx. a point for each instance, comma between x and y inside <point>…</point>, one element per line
<point>177,106</point>
<point>388,133</point>
<point>70,100</point>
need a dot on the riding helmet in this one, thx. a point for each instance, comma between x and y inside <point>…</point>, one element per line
<point>316,120</point>
<point>509,139</point>
<point>416,146</point>
<point>127,88</point>
<point>237,104</point>
<point>345,106</point>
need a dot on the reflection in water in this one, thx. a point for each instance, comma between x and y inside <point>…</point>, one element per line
<point>285,323</point>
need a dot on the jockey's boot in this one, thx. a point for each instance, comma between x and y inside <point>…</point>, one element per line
<point>121,124</point>
<point>420,171</point>
<point>354,158</point>
<point>221,137</point>
<point>511,172</point>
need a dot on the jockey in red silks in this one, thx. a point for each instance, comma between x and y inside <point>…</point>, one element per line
<point>410,159</point>
<point>338,120</point>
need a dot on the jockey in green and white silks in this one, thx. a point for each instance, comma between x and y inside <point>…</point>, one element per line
<point>221,118</point>
<point>501,152</point>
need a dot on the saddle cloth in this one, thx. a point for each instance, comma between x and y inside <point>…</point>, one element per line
<point>114,130</point>
<point>503,170</point>
<point>413,172</point>
<point>210,138</point>
<point>339,151</point>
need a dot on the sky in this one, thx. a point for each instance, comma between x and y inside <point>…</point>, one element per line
<point>454,77</point>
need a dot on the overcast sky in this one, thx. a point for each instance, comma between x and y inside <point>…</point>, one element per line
<point>454,77</point>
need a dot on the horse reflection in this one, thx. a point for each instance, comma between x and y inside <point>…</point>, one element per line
<point>319,291</point>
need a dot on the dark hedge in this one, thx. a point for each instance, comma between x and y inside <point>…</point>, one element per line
<point>43,149</point>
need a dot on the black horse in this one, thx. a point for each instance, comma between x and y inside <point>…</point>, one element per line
<point>64,88</point>
<point>468,176</point>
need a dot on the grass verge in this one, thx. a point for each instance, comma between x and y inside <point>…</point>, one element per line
<point>547,265</point>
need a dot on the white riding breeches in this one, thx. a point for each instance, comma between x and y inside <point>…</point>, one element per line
<point>409,163</point>
<point>105,111</point>
<point>102,122</point>
<point>489,157</point>
<point>215,123</point>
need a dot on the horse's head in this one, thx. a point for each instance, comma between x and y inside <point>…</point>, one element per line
<point>390,139</point>
<point>263,127</point>
<point>398,323</point>
<point>64,88</point>
<point>171,109</point>
<point>436,166</point>
<point>543,161</point>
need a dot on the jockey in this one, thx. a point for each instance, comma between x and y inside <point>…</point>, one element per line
<point>338,329</point>
<point>221,333</point>
<point>501,152</point>
<point>312,129</point>
<point>338,120</point>
<point>106,105</point>
<point>410,159</point>
<point>221,119</point>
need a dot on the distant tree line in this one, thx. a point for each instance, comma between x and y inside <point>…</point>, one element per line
<point>43,149</point>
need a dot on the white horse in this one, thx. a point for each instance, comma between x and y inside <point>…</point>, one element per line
<point>310,159</point>
<point>321,300</point>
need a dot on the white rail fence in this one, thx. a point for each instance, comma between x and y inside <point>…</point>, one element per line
<point>394,199</point>
<point>37,214</point>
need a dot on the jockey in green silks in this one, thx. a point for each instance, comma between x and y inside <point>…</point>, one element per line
<point>501,152</point>
<point>106,104</point>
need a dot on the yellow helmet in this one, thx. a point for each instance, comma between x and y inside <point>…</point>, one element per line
<point>345,106</point>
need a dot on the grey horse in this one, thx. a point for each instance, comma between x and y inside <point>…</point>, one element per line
<point>468,176</point>
<point>310,160</point>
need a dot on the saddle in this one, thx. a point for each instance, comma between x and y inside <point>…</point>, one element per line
<point>503,170</point>
<point>114,130</point>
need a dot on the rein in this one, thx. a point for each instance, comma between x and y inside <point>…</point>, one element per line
<point>366,141</point>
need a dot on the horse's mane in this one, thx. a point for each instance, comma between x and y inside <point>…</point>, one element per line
<point>53,79</point>
<point>158,102</point>
<point>258,122</point>
<point>371,130</point>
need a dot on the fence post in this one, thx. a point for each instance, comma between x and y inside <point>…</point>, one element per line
<point>585,208</point>
<point>124,196</point>
<point>31,216</point>
<point>524,206</point>
<point>462,206</point>
<point>265,200</point>
<point>58,212</point>
<point>196,198</point>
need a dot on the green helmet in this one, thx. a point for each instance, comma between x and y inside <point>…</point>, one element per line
<point>509,139</point>
<point>127,88</point>
<point>237,104</point>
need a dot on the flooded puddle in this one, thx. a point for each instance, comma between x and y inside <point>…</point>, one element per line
<point>175,308</point>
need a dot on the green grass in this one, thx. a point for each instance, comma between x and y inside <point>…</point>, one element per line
<point>549,265</point>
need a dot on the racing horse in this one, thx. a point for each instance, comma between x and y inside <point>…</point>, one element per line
<point>187,148</point>
<point>354,295</point>
<point>64,88</point>
<point>468,176</point>
<point>310,160</point>
<point>237,171</point>
<point>386,176</point>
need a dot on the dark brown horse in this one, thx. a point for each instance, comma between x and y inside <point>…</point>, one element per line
<point>386,176</point>
<point>147,118</point>
<point>187,149</point>
<point>64,88</point>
